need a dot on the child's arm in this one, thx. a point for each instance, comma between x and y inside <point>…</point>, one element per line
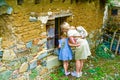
<point>59,44</point>
<point>72,42</point>
<point>74,45</point>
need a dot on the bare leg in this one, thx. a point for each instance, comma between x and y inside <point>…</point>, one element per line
<point>78,66</point>
<point>65,65</point>
<point>81,65</point>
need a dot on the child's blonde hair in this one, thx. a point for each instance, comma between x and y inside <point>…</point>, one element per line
<point>65,25</point>
<point>63,34</point>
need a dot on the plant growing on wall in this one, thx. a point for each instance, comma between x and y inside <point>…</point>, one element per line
<point>110,3</point>
<point>33,74</point>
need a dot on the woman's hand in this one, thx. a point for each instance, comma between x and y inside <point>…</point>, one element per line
<point>72,40</point>
<point>77,45</point>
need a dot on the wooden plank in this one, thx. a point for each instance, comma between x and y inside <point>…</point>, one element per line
<point>112,40</point>
<point>117,46</point>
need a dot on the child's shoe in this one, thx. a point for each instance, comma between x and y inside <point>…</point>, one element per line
<point>80,73</point>
<point>76,74</point>
<point>73,73</point>
<point>67,73</point>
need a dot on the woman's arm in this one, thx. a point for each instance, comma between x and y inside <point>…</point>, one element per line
<point>85,32</point>
<point>72,42</point>
<point>74,45</point>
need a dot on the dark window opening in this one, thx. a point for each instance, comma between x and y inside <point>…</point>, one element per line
<point>56,32</point>
<point>58,22</point>
<point>71,1</point>
<point>63,1</point>
<point>114,12</point>
<point>19,2</point>
<point>51,1</point>
<point>77,1</point>
<point>37,1</point>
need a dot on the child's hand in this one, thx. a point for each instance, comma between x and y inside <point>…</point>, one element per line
<point>72,40</point>
<point>59,46</point>
<point>78,45</point>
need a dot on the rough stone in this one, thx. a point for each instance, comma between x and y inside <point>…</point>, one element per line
<point>24,67</point>
<point>9,54</point>
<point>2,68</point>
<point>33,64</point>
<point>5,75</point>
<point>52,61</point>
<point>43,71</point>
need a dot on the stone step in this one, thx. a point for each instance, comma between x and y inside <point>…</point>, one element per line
<point>52,61</point>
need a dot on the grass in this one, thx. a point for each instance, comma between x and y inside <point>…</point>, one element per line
<point>95,68</point>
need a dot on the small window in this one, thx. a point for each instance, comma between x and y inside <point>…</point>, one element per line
<point>114,12</point>
<point>19,2</point>
<point>63,1</point>
<point>51,1</point>
<point>37,1</point>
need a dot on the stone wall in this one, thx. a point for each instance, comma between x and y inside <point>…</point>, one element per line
<point>87,14</point>
<point>114,15</point>
<point>24,41</point>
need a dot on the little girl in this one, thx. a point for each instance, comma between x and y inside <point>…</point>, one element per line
<point>65,53</point>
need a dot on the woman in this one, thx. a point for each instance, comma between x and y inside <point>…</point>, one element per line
<point>82,51</point>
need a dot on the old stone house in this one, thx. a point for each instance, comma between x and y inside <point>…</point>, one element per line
<point>115,11</point>
<point>29,30</point>
<point>112,26</point>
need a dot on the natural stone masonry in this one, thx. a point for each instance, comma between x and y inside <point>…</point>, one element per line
<point>24,67</point>
<point>52,61</point>
<point>25,41</point>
